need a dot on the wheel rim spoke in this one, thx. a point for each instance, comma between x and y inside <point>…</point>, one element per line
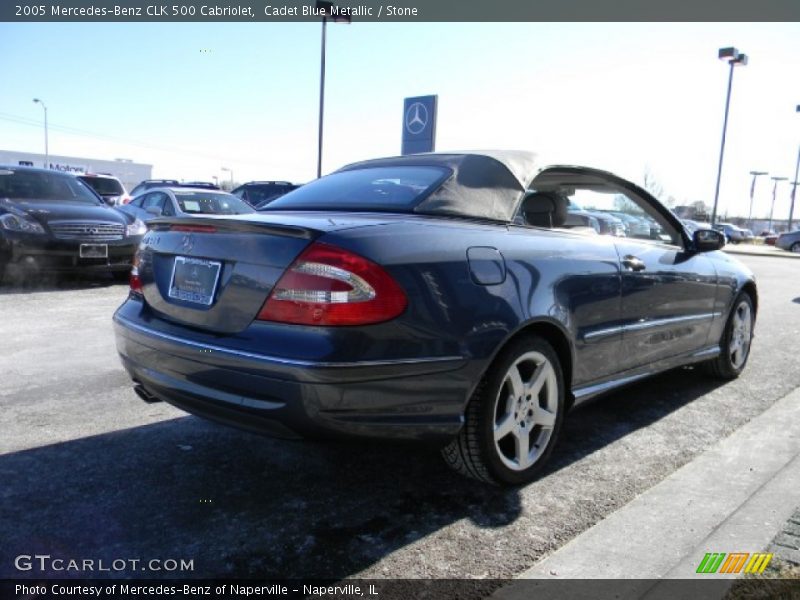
<point>538,379</point>
<point>544,418</point>
<point>522,448</point>
<point>515,381</point>
<point>504,427</point>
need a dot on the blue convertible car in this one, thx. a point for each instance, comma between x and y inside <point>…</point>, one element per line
<point>432,297</point>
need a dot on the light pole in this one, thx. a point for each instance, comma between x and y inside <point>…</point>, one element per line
<point>326,9</point>
<point>734,57</point>
<point>772,207</point>
<point>46,152</point>
<point>216,179</point>
<point>230,171</point>
<point>755,175</point>
<point>794,188</point>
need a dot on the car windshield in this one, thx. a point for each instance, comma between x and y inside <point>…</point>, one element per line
<point>370,189</point>
<point>105,186</point>
<point>210,203</point>
<point>42,185</point>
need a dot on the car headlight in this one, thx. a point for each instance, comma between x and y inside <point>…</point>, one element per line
<point>18,223</point>
<point>136,228</point>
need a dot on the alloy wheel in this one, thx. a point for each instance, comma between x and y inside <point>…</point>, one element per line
<point>525,412</point>
<point>741,334</point>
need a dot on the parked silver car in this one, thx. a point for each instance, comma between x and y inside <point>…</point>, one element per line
<point>180,201</point>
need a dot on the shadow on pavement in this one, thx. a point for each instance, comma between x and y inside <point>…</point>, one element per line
<point>245,506</point>
<point>17,283</point>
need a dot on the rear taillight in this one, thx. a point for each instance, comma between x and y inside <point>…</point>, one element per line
<point>134,280</point>
<point>327,285</point>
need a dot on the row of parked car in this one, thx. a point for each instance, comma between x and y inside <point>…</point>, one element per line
<point>51,221</point>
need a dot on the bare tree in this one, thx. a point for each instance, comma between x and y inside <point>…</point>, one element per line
<point>651,184</point>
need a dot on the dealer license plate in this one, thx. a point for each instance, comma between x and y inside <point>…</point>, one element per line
<point>194,280</point>
<point>93,251</point>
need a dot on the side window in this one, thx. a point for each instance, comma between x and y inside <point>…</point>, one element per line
<point>168,209</point>
<point>621,215</point>
<point>137,202</point>
<point>155,199</point>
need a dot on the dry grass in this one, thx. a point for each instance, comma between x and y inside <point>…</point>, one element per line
<point>781,581</point>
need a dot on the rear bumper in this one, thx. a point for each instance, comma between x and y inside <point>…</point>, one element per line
<point>421,399</point>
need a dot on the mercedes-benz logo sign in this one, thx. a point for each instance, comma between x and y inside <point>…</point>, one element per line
<point>416,118</point>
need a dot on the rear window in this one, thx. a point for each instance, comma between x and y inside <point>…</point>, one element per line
<point>40,185</point>
<point>209,203</point>
<point>370,189</point>
<point>105,186</point>
<point>262,193</point>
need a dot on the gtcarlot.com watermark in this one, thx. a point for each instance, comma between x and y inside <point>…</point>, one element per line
<point>46,563</point>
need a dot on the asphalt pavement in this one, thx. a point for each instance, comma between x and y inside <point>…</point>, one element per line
<point>90,471</point>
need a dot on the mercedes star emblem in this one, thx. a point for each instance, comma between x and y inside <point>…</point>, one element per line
<point>187,243</point>
<point>416,118</point>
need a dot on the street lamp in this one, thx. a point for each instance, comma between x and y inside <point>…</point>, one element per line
<point>230,171</point>
<point>772,207</point>
<point>794,188</point>
<point>326,9</point>
<point>46,153</point>
<point>734,58</point>
<point>755,175</point>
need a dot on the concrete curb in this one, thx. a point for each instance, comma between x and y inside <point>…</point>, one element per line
<point>734,497</point>
<point>752,252</point>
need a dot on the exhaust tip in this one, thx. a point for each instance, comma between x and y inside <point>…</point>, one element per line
<point>145,395</point>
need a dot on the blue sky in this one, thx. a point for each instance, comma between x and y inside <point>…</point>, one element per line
<point>192,98</point>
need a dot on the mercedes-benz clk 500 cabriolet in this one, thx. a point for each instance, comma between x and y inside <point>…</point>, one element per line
<point>430,297</point>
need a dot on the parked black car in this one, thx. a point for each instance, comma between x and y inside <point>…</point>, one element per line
<point>202,185</point>
<point>431,297</point>
<point>259,194</point>
<point>53,221</point>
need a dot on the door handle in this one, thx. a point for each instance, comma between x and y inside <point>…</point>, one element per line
<point>633,263</point>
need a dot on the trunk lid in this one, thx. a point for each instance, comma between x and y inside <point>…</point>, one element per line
<point>215,273</point>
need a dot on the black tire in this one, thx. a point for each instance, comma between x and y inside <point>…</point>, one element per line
<point>498,421</point>
<point>737,338</point>
<point>795,247</point>
<point>2,270</point>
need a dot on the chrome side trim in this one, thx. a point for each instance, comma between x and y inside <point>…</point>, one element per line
<point>277,359</point>
<point>642,325</point>
<point>601,333</point>
<point>584,393</point>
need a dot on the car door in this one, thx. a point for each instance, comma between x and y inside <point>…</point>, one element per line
<point>667,300</point>
<point>667,292</point>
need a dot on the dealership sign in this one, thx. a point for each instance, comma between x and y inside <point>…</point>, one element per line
<point>67,168</point>
<point>419,124</point>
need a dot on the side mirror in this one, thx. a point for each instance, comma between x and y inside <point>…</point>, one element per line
<point>153,210</point>
<point>706,240</point>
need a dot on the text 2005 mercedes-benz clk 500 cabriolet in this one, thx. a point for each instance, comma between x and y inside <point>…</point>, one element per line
<point>435,297</point>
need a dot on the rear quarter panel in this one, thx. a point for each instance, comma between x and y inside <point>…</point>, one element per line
<point>569,280</point>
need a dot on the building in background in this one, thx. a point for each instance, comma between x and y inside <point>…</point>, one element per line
<point>127,171</point>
